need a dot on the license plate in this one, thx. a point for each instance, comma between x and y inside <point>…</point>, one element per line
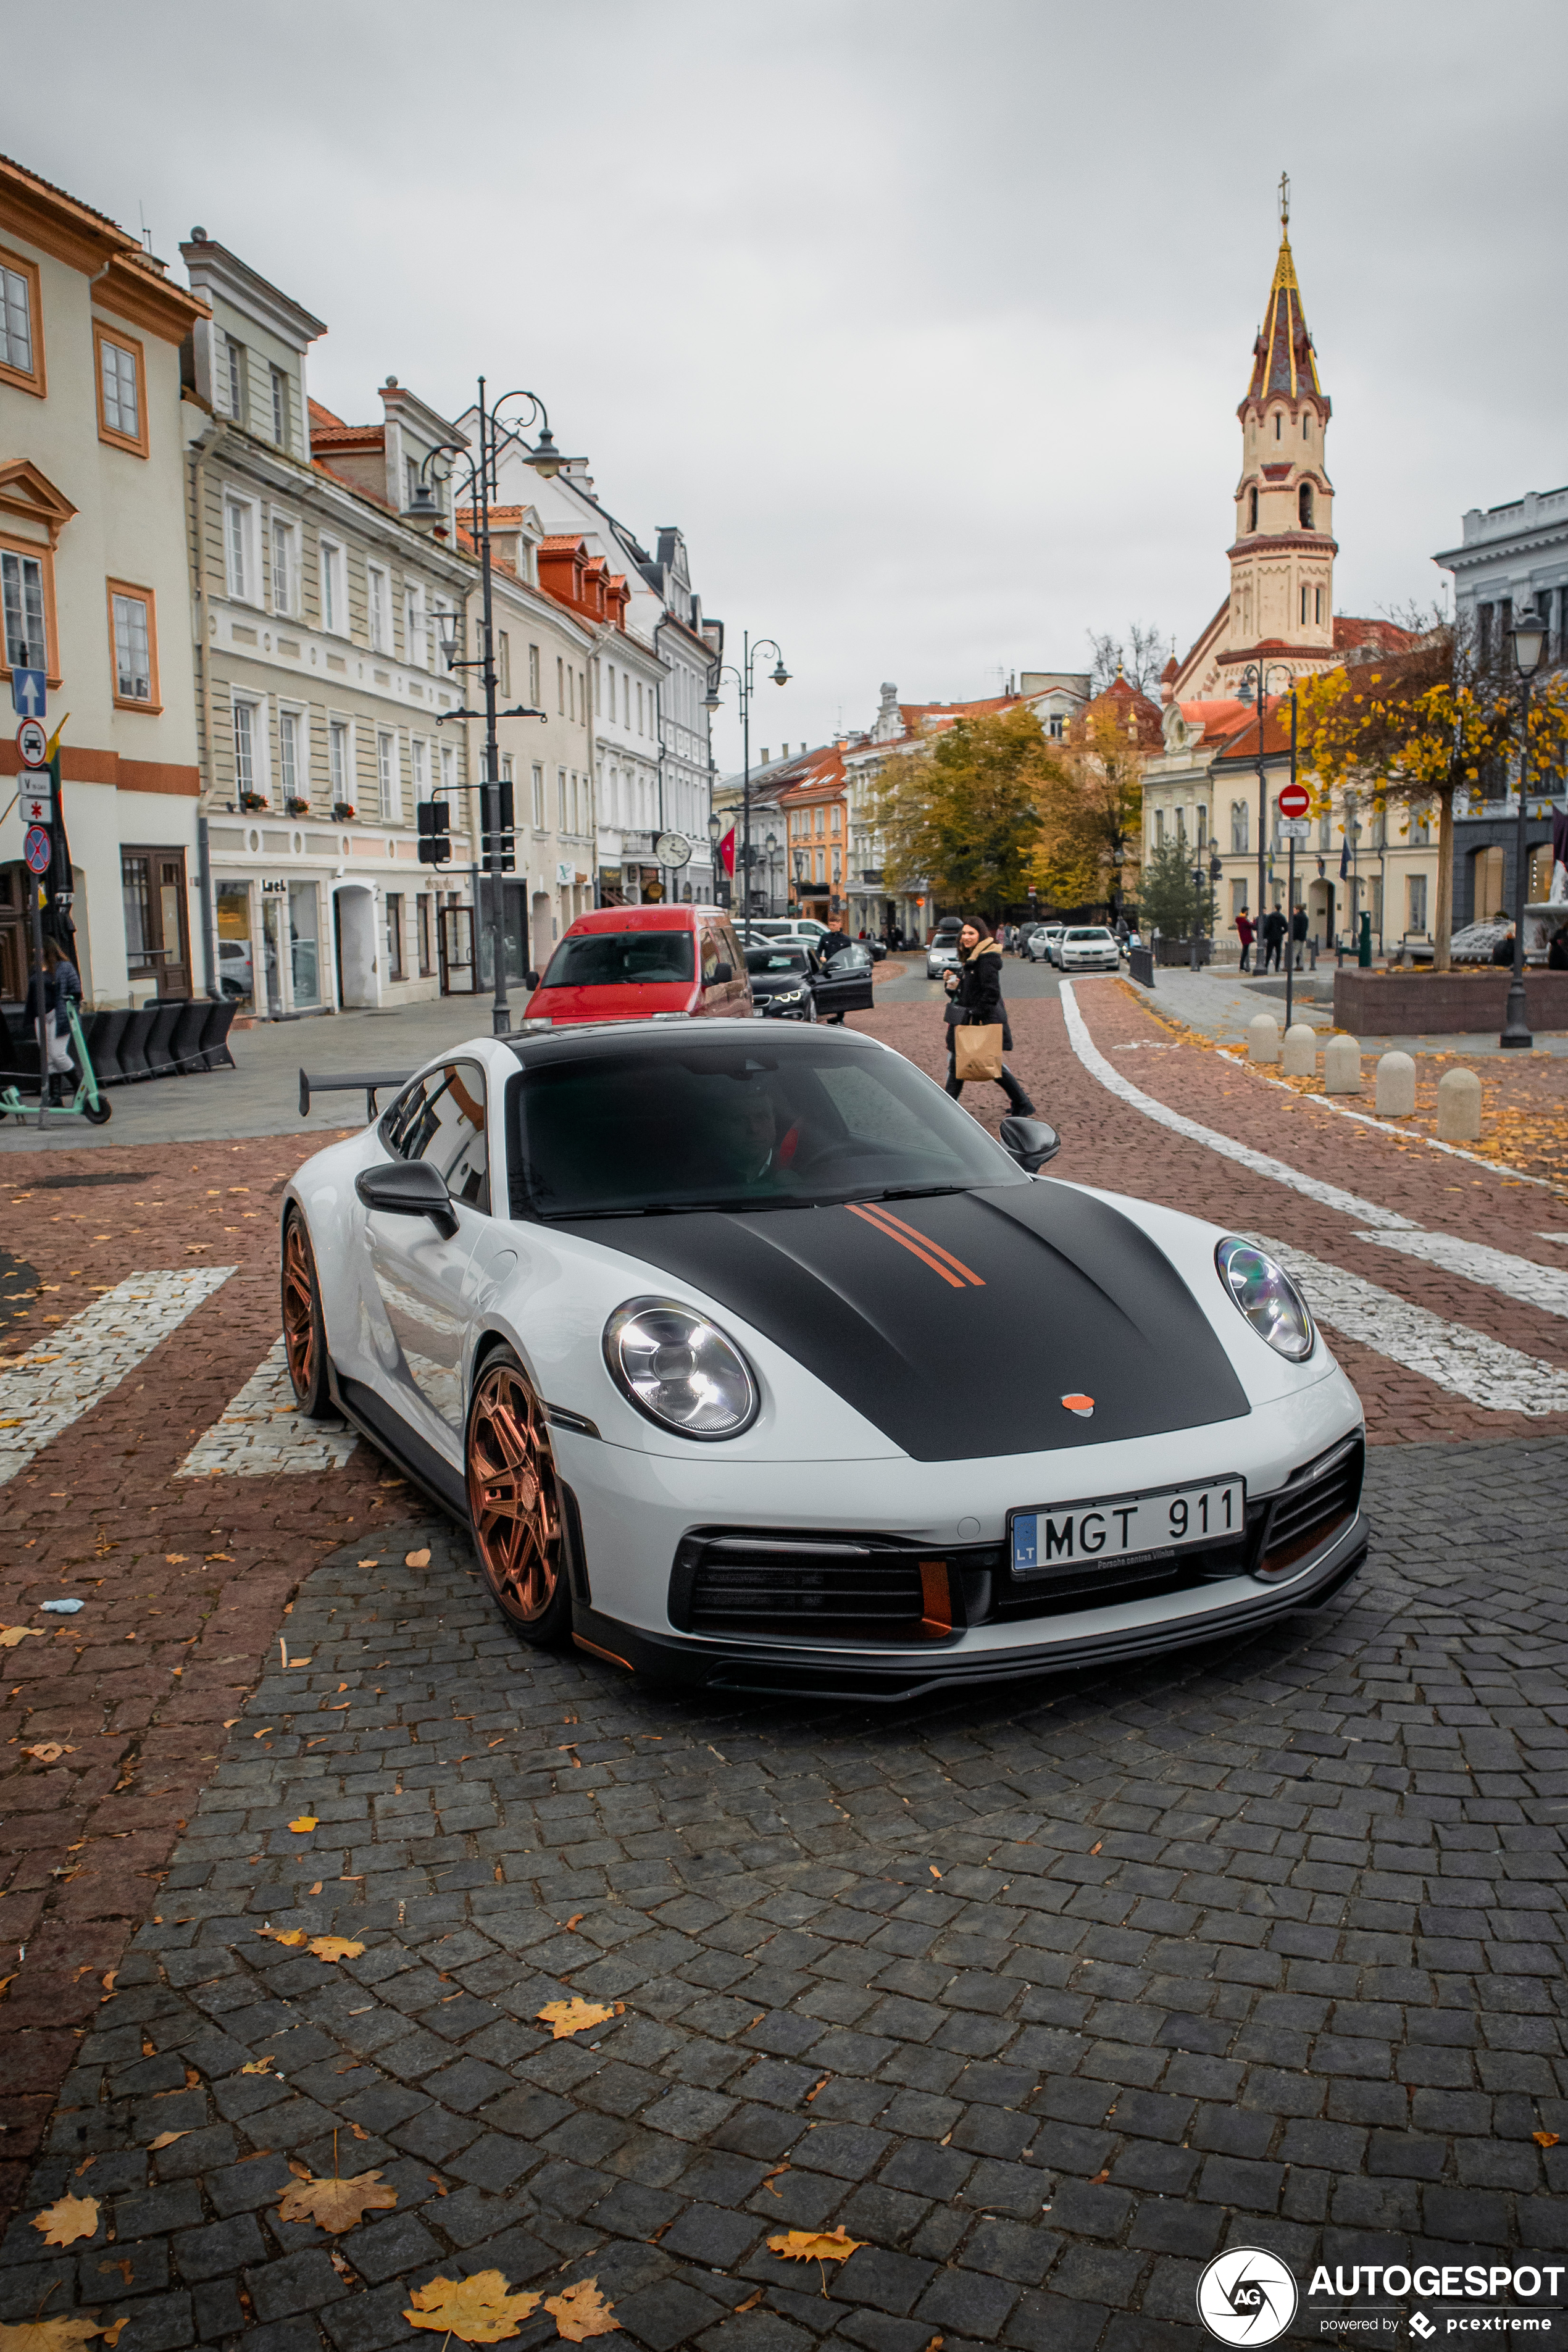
<point>1121,1527</point>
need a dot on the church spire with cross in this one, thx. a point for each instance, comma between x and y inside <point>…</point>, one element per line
<point>1283,359</point>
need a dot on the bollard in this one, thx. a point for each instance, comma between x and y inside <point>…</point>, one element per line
<point>1341,1066</point>
<point>1299,1057</point>
<point>1458,1106</point>
<point>1396,1086</point>
<point>1263,1038</point>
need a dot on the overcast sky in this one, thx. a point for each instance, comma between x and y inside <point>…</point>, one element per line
<point>926,319</point>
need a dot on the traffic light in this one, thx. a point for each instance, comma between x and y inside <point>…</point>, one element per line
<point>498,826</point>
<point>435,831</point>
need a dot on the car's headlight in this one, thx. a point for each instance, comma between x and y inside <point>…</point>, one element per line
<point>1267,1297</point>
<point>680,1370</point>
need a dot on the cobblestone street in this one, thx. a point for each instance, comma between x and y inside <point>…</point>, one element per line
<point>1042,1996</point>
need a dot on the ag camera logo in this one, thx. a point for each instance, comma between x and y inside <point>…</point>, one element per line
<point>1247,2296</point>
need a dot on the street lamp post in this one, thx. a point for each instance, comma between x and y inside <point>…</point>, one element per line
<point>1529,638</point>
<point>1255,680</point>
<point>481,472</point>
<point>715,828</point>
<point>745,681</point>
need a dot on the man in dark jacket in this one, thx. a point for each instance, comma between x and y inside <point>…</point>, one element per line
<point>1299,933</point>
<point>1273,939</point>
<point>833,941</point>
<point>974,993</point>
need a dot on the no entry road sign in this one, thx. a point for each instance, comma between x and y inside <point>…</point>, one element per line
<point>1295,801</point>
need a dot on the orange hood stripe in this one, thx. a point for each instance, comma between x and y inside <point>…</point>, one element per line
<point>889,1233</point>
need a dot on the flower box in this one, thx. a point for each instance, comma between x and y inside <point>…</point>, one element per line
<point>297,807</point>
<point>343,811</point>
<point>254,800</point>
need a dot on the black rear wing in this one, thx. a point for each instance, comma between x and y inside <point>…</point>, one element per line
<point>349,1082</point>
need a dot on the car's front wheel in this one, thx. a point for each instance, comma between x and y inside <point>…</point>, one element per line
<point>514,1501</point>
<point>304,1332</point>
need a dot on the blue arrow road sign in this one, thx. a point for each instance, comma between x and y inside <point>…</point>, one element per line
<point>27,694</point>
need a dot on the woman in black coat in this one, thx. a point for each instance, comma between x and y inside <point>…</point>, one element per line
<point>974,1001</point>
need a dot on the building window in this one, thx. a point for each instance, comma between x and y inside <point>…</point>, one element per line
<point>1238,899</point>
<point>1416,897</point>
<point>279,408</point>
<point>419,761</point>
<point>415,629</point>
<point>1307,426</point>
<point>1158,828</point>
<point>1238,828</point>
<point>538,797</point>
<point>448,771</point>
<point>1305,594</point>
<point>121,402</point>
<point>561,800</point>
<point>136,639</point>
<point>244,748</point>
<point>1181,824</point>
<point>1324,840</point>
<point>285,567</point>
<point>338,762</point>
<point>386,774</point>
<point>503,660</point>
<point>239,522</point>
<point>1489,891</point>
<point>1317,604</point>
<point>235,385</point>
<point>394,935</point>
<point>1279,426</point>
<point>21,348</point>
<point>422,909</point>
<point>1055,729</point>
<point>1304,505</point>
<point>334,601</point>
<point>560,685</point>
<point>1252,510</point>
<point>289,755</point>
<point>1484,635</point>
<point>534,675</point>
<point>24,590</point>
<point>376,614</point>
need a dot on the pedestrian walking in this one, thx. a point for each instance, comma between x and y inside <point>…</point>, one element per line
<point>1273,939</point>
<point>57,985</point>
<point>1299,933</point>
<point>1245,933</point>
<point>834,940</point>
<point>975,1002</point>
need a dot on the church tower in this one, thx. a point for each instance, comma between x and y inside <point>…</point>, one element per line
<point>1282,558</point>
<point>1280,609</point>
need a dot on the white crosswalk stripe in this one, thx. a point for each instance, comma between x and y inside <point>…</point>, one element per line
<point>262,1431</point>
<point>1452,1356</point>
<point>1517,1277</point>
<point>58,1379</point>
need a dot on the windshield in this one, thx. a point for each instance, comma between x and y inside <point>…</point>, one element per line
<point>1097,938</point>
<point>777,960</point>
<point>738,1126</point>
<point>612,959</point>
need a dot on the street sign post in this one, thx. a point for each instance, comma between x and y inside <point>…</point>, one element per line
<point>33,743</point>
<point>36,807</point>
<point>27,696</point>
<point>1294,828</point>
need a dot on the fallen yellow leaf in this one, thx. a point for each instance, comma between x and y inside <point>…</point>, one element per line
<point>67,2220</point>
<point>568,2017</point>
<point>177,1559</point>
<point>815,2246</point>
<point>11,1634</point>
<point>306,1822</point>
<point>166,2140</point>
<point>66,2335</point>
<point>335,1947</point>
<point>477,2310</point>
<point>47,1751</point>
<point>1546,2139</point>
<point>581,2311</point>
<point>337,2203</point>
<point>293,1936</point>
<point>257,2065</point>
<point>417,1559</point>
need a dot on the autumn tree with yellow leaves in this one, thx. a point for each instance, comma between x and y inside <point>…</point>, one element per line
<point>1091,816</point>
<point>1418,727</point>
<point>964,815</point>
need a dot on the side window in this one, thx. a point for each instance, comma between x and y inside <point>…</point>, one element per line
<point>442,1119</point>
<point>710,957</point>
<point>730,947</point>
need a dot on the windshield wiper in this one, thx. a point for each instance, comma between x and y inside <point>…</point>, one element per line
<point>914,1192</point>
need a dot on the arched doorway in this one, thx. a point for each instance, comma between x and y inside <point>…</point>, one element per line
<point>354,945</point>
<point>1321,911</point>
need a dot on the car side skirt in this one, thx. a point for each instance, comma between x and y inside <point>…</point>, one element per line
<point>403,1448</point>
<point>788,1669</point>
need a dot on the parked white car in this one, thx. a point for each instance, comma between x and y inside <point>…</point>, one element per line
<point>1043,943</point>
<point>1088,948</point>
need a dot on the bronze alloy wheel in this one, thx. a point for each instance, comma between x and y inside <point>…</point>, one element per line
<point>304,1334</point>
<point>514,1502</point>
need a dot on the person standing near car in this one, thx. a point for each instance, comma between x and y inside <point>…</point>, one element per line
<point>834,940</point>
<point>1299,934</point>
<point>1245,933</point>
<point>974,1001</point>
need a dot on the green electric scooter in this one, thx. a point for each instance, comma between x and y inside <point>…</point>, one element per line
<point>88,1101</point>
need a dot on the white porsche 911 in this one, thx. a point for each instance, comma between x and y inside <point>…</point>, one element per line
<point>713,1339</point>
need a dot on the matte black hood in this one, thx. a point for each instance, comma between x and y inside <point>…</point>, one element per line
<point>957,1323</point>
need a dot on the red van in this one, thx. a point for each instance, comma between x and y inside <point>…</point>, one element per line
<point>621,963</point>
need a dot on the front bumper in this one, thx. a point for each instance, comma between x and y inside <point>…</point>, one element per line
<point>1227,1611</point>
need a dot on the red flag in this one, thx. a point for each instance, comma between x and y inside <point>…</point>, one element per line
<point>727,853</point>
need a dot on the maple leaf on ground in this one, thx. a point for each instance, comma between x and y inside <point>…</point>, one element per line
<point>1545,2139</point>
<point>67,2220</point>
<point>294,1935</point>
<point>65,2334</point>
<point>48,1751</point>
<point>822,2246</point>
<point>256,2065</point>
<point>335,2203</point>
<point>567,2017</point>
<point>335,1947</point>
<point>11,1634</point>
<point>581,2311</point>
<point>477,2310</point>
<point>305,1821</point>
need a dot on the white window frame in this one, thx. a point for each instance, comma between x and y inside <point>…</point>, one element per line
<point>448,771</point>
<point>378,607</point>
<point>415,625</point>
<point>334,588</point>
<point>233,377</point>
<point>419,767</point>
<point>131,604</point>
<point>112,399</point>
<point>538,793</point>
<point>277,379</point>
<point>386,776</point>
<point>254,705</point>
<point>340,759</point>
<point>284,531</point>
<point>16,294</point>
<point>239,548</point>
<point>293,753</point>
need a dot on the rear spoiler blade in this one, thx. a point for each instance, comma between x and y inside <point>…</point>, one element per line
<point>349,1082</point>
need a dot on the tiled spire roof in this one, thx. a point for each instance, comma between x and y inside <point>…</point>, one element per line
<point>1282,357</point>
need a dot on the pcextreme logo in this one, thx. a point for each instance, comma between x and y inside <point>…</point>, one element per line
<point>1247,2296</point>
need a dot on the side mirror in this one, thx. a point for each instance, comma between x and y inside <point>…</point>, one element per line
<point>722,971</point>
<point>408,1188</point>
<point>531,979</point>
<point>1029,1141</point>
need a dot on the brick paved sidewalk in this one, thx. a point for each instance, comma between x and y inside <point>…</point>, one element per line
<point>1043,1997</point>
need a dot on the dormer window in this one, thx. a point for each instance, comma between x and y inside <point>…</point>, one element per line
<point>1304,505</point>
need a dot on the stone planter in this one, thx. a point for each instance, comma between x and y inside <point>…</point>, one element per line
<point>1438,1004</point>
